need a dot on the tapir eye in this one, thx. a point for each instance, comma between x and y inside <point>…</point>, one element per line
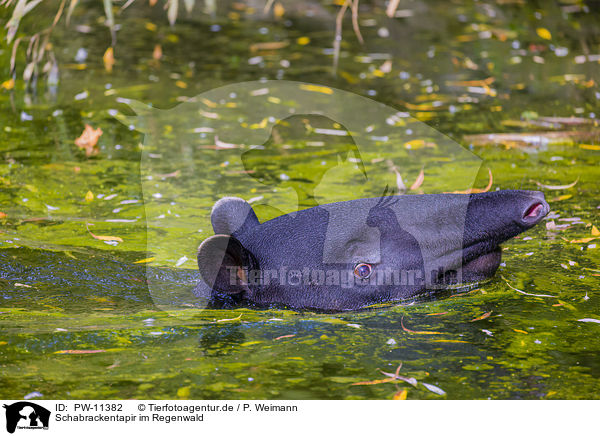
<point>363,270</point>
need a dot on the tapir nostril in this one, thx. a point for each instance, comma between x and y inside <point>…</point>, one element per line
<point>534,211</point>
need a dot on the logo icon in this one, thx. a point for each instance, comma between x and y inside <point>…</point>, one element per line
<point>26,415</point>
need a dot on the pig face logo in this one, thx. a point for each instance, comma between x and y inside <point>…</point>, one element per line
<point>286,146</point>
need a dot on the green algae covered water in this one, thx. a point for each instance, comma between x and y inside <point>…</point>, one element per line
<point>77,317</point>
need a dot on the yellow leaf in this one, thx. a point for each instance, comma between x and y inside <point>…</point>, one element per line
<point>278,10</point>
<point>8,85</point>
<point>89,196</point>
<point>303,40</point>
<point>582,240</point>
<point>109,59</point>
<point>104,238</point>
<point>543,33</point>
<point>2,215</point>
<point>181,84</point>
<point>316,88</point>
<point>595,231</point>
<point>151,27</point>
<point>521,331</point>
<point>590,147</point>
<point>562,197</point>
<point>400,395</point>
<point>148,259</point>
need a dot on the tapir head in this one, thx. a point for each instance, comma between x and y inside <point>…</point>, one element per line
<point>352,254</point>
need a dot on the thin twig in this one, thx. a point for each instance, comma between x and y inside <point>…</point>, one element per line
<point>525,293</point>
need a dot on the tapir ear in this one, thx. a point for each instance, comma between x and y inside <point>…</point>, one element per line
<point>231,214</point>
<point>223,263</point>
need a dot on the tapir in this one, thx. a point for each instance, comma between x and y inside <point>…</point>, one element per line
<point>353,254</point>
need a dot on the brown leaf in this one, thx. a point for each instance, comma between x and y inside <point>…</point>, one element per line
<point>79,351</point>
<point>419,181</point>
<point>484,316</point>
<point>416,332</point>
<point>104,238</point>
<point>88,140</point>
<point>157,53</point>
<point>275,45</point>
<point>374,382</point>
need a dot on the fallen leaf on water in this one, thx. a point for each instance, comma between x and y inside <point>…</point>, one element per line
<point>484,316</point>
<point>109,59</point>
<point>303,40</point>
<point>437,313</point>
<point>157,53</point>
<point>557,187</point>
<point>399,183</point>
<point>416,332</point>
<point>373,382</point>
<point>88,140</point>
<point>400,395</point>
<point>590,147</point>
<point>103,238</point>
<point>8,84</point>
<point>316,88</point>
<point>543,33</point>
<point>148,259</point>
<point>419,181</point>
<point>275,45</point>
<point>521,331</point>
<point>582,240</point>
<point>79,351</point>
<point>595,231</point>
<point>89,196</point>
<point>2,215</point>
<point>283,337</point>
<point>434,389</point>
<point>230,319</point>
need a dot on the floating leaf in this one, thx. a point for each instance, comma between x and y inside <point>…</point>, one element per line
<point>484,316</point>
<point>316,88</point>
<point>418,181</point>
<point>104,238</point>
<point>434,389</point>
<point>88,140</point>
<point>79,351</point>
<point>374,382</point>
<point>148,259</point>
<point>543,33</point>
<point>230,319</point>
<point>283,337</point>
<point>400,395</point>
<point>557,187</point>
<point>89,196</point>
<point>416,332</point>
